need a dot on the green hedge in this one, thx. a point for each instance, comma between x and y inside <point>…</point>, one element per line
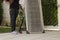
<point>49,8</point>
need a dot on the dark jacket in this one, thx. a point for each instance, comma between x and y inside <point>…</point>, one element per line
<point>15,4</point>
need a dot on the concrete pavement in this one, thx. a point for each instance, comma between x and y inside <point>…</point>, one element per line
<point>50,35</point>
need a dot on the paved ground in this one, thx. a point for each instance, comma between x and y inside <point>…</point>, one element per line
<point>50,35</point>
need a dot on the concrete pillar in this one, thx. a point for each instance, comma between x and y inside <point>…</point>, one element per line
<point>33,14</point>
<point>58,5</point>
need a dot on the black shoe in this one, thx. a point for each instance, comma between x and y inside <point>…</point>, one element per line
<point>20,32</point>
<point>27,32</point>
<point>43,31</point>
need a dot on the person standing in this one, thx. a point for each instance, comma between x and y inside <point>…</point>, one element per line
<point>14,9</point>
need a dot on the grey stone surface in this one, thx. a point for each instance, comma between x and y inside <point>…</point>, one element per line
<point>50,35</point>
<point>34,16</point>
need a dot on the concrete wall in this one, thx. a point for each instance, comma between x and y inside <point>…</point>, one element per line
<point>33,16</point>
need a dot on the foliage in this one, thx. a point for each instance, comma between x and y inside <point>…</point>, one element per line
<point>19,18</point>
<point>49,8</point>
<point>1,11</point>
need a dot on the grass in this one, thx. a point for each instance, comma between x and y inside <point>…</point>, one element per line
<point>8,29</point>
<point>5,30</point>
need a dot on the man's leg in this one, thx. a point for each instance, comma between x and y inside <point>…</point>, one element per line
<point>13,16</point>
<point>20,29</point>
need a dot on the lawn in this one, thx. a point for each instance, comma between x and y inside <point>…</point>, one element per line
<point>8,29</point>
<point>5,30</point>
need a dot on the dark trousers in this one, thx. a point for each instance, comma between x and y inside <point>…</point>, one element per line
<point>13,16</point>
